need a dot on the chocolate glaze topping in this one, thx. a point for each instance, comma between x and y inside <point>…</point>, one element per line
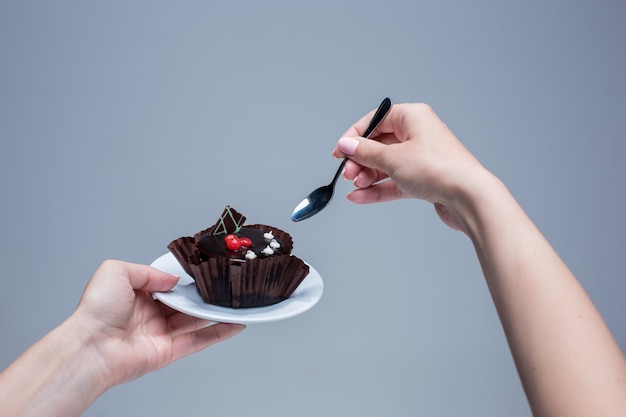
<point>215,244</point>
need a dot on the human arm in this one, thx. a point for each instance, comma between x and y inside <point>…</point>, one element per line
<point>116,334</point>
<point>567,359</point>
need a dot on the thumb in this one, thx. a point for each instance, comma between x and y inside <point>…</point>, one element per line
<point>148,278</point>
<point>140,277</point>
<point>365,152</point>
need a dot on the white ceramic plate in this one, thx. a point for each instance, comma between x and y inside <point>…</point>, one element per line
<point>185,297</point>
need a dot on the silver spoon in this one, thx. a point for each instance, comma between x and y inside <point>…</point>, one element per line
<point>318,199</point>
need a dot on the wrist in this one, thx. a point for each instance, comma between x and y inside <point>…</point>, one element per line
<point>95,368</point>
<point>88,375</point>
<point>498,227</point>
<point>479,200</point>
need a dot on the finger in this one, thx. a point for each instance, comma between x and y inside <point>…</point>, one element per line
<point>384,132</point>
<point>192,342</point>
<point>360,176</point>
<point>384,139</point>
<point>393,124</point>
<point>351,170</point>
<point>140,277</point>
<point>377,193</point>
<point>367,153</point>
<point>147,278</point>
<point>367,177</point>
<point>179,323</point>
<point>358,128</point>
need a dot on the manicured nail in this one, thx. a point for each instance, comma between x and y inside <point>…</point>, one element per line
<point>348,145</point>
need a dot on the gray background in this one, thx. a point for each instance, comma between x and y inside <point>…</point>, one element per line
<point>124,125</point>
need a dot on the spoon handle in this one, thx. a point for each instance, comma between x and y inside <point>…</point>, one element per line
<point>378,117</point>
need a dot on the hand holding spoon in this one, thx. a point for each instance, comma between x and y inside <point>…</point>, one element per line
<point>318,199</point>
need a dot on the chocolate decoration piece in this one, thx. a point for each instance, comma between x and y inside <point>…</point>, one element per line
<point>229,222</point>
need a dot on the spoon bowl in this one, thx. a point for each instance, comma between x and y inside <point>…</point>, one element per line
<point>317,200</point>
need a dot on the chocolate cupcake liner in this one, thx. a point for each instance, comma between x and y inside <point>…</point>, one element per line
<point>184,250</point>
<point>236,283</point>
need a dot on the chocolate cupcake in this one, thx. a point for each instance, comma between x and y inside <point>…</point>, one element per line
<point>240,266</point>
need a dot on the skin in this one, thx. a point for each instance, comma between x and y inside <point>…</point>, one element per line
<point>116,334</point>
<point>567,359</point>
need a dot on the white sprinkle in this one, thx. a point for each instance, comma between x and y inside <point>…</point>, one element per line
<point>274,244</point>
<point>250,255</point>
<point>268,251</point>
<point>268,235</point>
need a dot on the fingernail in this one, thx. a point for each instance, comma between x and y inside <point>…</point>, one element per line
<point>348,145</point>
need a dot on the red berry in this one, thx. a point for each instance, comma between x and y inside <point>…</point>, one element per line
<point>232,242</point>
<point>245,242</point>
